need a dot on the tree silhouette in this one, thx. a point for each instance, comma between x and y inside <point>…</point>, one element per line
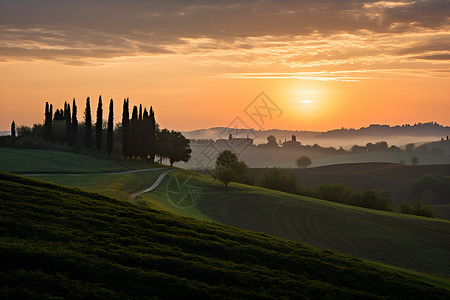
<point>272,141</point>
<point>145,142</point>
<point>13,129</point>
<point>163,144</point>
<point>414,161</point>
<point>228,167</point>
<point>88,123</point>
<point>110,133</point>
<point>67,117</point>
<point>74,122</point>
<point>140,135</point>
<point>303,162</point>
<point>179,148</point>
<point>152,135</point>
<point>48,121</point>
<point>126,129</point>
<point>134,138</point>
<point>59,115</point>
<point>98,124</point>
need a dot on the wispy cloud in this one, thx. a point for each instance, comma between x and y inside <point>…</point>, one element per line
<point>345,75</point>
<point>282,35</point>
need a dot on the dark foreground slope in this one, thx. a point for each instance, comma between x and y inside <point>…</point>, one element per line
<point>62,242</point>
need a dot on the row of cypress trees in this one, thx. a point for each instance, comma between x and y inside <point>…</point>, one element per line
<point>71,122</point>
<point>61,115</point>
<point>139,132</point>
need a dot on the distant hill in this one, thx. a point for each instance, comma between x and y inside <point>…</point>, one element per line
<point>399,135</point>
<point>75,244</point>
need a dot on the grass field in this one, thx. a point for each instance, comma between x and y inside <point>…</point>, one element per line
<point>406,241</point>
<point>403,241</point>
<point>28,161</point>
<point>121,186</point>
<point>62,242</point>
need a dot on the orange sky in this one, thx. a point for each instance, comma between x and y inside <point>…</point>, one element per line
<point>352,63</point>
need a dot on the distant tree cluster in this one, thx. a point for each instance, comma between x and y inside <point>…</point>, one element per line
<point>378,146</point>
<point>139,135</point>
<point>379,199</point>
<point>417,208</point>
<point>432,148</point>
<point>173,146</point>
<point>67,118</point>
<point>276,179</point>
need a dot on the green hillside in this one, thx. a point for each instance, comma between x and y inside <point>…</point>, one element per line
<point>28,161</point>
<point>62,242</point>
<point>409,242</point>
<point>405,241</point>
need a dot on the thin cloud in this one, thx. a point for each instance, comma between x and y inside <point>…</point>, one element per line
<point>435,57</point>
<point>261,34</point>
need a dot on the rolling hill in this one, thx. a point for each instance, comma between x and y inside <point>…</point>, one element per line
<point>28,161</point>
<point>395,177</point>
<point>409,242</point>
<point>60,242</point>
<point>405,241</point>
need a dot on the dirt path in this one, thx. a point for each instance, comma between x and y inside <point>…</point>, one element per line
<point>151,188</point>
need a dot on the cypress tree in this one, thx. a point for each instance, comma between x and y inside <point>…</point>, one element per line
<point>139,134</point>
<point>144,135</point>
<point>98,124</point>
<point>152,135</point>
<point>126,129</point>
<point>68,123</point>
<point>134,132</point>
<point>13,129</point>
<point>50,126</point>
<point>47,122</point>
<point>88,123</point>
<point>74,122</point>
<point>110,133</point>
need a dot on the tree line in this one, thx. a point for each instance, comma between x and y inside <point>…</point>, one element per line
<point>136,137</point>
<point>68,117</point>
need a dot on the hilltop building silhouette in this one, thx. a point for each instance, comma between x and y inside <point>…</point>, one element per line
<point>292,143</point>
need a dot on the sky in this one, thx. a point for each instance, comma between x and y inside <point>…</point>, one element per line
<point>301,65</point>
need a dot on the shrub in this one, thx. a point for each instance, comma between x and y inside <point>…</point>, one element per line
<point>273,178</point>
<point>370,198</point>
<point>303,162</point>
<point>416,209</point>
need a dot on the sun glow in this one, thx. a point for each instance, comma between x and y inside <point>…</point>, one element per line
<point>306,101</point>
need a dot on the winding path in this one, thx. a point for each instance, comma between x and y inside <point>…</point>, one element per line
<point>151,188</point>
